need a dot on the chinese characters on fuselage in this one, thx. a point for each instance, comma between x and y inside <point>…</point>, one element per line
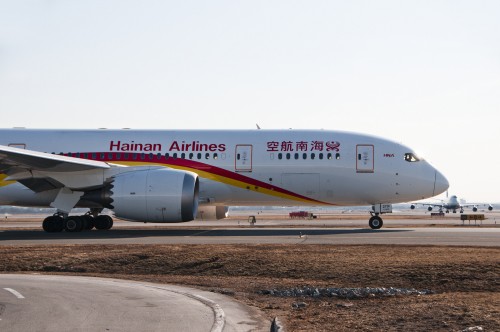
<point>286,146</point>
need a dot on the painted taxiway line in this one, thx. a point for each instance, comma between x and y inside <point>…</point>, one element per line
<point>15,293</point>
<point>219,315</point>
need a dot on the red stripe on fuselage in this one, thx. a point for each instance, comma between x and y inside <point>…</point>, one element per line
<point>191,164</point>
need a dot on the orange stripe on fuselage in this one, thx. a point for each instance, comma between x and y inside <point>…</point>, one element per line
<point>5,183</point>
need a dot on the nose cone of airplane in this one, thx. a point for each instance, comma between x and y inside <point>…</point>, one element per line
<point>441,184</point>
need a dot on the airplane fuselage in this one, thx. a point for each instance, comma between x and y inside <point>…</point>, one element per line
<point>252,167</point>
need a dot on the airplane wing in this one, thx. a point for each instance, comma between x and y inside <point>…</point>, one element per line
<point>476,206</point>
<point>429,206</point>
<point>12,159</point>
<point>21,165</point>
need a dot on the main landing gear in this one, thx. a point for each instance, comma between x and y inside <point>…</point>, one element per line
<point>60,222</point>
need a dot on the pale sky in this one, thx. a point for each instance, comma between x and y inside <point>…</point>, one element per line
<point>424,73</point>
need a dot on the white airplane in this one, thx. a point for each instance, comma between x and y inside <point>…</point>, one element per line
<point>163,175</point>
<point>452,204</point>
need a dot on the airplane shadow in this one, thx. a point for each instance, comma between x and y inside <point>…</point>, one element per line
<point>40,235</point>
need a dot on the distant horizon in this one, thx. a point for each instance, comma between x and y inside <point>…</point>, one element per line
<point>13,210</point>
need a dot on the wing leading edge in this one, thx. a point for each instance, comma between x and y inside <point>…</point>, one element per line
<point>41,171</point>
<point>14,160</point>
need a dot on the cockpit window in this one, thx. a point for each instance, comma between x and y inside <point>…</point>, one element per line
<point>411,157</point>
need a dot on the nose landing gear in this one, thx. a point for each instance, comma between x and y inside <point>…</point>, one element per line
<point>375,222</point>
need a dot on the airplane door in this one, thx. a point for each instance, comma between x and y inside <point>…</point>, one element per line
<point>364,158</point>
<point>243,158</point>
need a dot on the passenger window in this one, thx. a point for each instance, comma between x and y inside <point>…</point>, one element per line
<point>313,156</point>
<point>215,156</point>
<point>102,155</point>
<point>304,156</point>
<point>238,156</point>
<point>183,155</point>
<point>118,156</point>
<point>125,156</point>
<point>166,155</point>
<point>296,156</point>
<point>280,156</point>
<point>191,156</point>
<point>207,155</point>
<point>288,156</point>
<point>110,156</point>
<point>329,156</point>
<point>199,155</point>
<point>143,156</point>
<point>174,155</point>
<point>320,156</point>
<point>134,156</point>
<point>337,156</point>
<point>158,155</point>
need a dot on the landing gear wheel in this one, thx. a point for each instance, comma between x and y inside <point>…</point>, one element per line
<point>88,222</point>
<point>74,224</point>
<point>103,222</point>
<point>375,222</point>
<point>53,224</point>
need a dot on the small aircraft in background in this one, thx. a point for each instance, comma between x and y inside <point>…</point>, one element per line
<point>452,204</point>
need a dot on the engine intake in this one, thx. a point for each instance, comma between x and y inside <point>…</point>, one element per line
<point>156,195</point>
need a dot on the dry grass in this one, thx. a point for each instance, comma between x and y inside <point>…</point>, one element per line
<point>466,280</point>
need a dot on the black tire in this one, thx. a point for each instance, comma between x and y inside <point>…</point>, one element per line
<point>53,224</point>
<point>88,222</point>
<point>375,222</point>
<point>103,222</point>
<point>109,222</point>
<point>74,224</point>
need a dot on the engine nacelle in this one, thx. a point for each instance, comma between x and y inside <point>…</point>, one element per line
<point>490,208</point>
<point>429,208</point>
<point>474,208</point>
<point>155,195</point>
<point>412,206</point>
<point>212,212</point>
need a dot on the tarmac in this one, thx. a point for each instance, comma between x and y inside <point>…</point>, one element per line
<point>69,303</point>
<point>272,229</point>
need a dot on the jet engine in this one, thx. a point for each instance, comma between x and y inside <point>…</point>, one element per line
<point>429,208</point>
<point>490,208</point>
<point>155,195</point>
<point>412,206</point>
<point>474,208</point>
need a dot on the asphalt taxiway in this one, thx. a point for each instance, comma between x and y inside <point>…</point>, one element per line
<point>403,229</point>
<point>459,236</point>
<point>63,303</point>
